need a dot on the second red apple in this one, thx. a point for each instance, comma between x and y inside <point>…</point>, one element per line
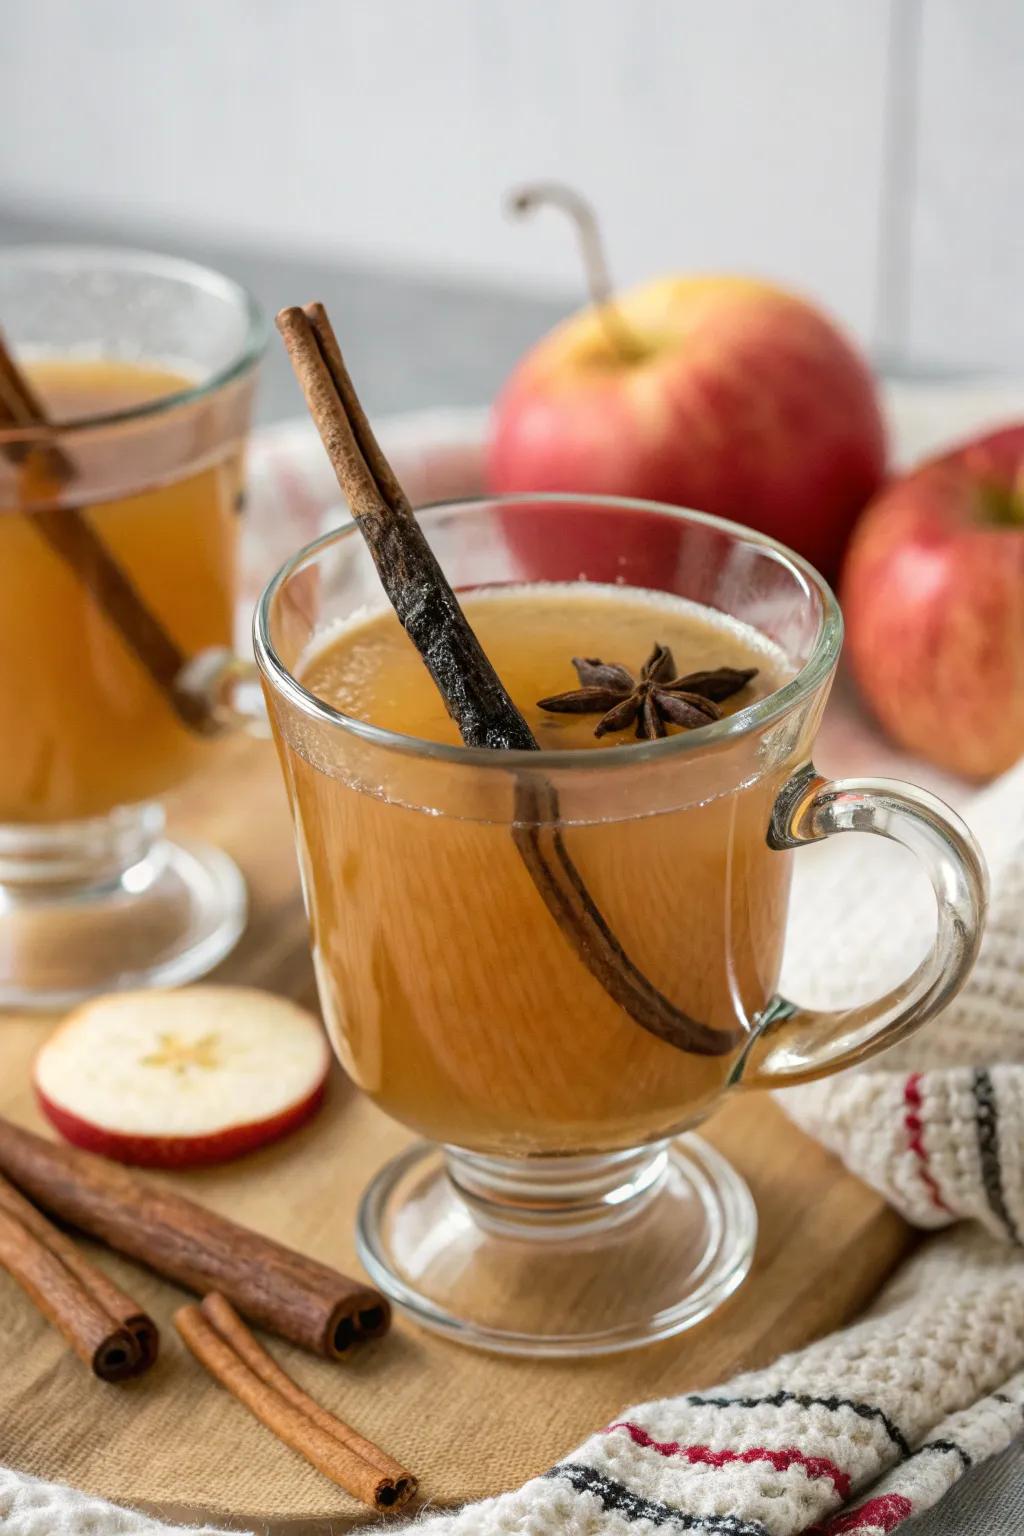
<point>737,398</point>
<point>933,595</point>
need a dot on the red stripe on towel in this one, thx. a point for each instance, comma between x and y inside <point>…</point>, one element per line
<point>915,1140</point>
<point>703,1455</point>
<point>882,1514</point>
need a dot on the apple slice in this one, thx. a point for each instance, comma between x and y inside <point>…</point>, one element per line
<point>176,1079</point>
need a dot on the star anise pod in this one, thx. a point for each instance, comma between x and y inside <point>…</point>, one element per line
<point>657,698</point>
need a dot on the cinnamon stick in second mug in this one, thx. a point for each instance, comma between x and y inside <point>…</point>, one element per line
<point>285,1292</point>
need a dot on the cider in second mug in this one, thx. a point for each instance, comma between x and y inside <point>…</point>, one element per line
<point>161,486</point>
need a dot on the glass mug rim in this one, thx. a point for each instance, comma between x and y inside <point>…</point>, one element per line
<point>59,258</point>
<point>745,722</point>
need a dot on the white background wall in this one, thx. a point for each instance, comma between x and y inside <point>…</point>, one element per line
<point>870,151</point>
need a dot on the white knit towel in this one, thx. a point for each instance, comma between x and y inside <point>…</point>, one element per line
<point>29,1507</point>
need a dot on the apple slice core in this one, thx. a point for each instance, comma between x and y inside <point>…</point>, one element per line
<point>181,1078</point>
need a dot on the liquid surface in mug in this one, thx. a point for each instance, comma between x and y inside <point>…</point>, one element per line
<point>86,728</point>
<point>531,634</point>
<point>453,997</point>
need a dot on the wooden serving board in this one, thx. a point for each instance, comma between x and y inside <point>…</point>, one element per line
<point>469,1424</point>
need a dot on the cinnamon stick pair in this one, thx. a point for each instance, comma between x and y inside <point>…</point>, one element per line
<point>283,1291</point>
<point>104,1326</point>
<point>221,1342</point>
<point>72,537</point>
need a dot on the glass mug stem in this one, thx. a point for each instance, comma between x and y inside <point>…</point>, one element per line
<point>556,1198</point>
<point>794,1045</point>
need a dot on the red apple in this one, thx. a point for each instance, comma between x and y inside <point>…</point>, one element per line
<point>933,595</point>
<point>180,1079</point>
<point>737,398</point>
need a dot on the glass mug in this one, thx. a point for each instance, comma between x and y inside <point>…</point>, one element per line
<point>560,1205</point>
<point>118,540</point>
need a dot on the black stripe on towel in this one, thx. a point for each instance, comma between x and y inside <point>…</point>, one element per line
<point>776,1400</point>
<point>986,1124</point>
<point>617,1499</point>
<point>947,1445</point>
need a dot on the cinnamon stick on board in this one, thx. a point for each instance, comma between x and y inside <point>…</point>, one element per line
<point>110,1351</point>
<point>473,694</point>
<point>285,1292</point>
<point>121,1308</point>
<point>72,537</point>
<point>220,1340</point>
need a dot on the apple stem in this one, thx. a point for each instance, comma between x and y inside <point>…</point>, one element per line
<point>556,194</point>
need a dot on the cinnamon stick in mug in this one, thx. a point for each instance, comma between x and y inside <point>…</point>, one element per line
<point>285,1292</point>
<point>473,693</point>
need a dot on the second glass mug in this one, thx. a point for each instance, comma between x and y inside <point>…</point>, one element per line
<point>561,1205</point>
<point>118,551</point>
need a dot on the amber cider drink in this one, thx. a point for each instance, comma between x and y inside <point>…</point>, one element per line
<point>84,725</point>
<point>452,996</point>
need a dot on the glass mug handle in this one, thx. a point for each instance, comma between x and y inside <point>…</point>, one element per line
<point>226,687</point>
<point>793,1044</point>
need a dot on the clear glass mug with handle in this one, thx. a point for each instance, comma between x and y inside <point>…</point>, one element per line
<point>118,544</point>
<point>555,997</point>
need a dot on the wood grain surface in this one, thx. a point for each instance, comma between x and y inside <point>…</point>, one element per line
<point>468,1424</point>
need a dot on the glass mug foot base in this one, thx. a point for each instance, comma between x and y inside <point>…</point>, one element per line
<point>569,1256</point>
<point>162,919</point>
